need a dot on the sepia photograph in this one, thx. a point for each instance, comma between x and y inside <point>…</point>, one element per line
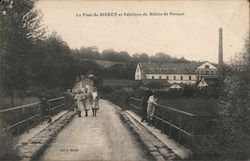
<point>124,80</point>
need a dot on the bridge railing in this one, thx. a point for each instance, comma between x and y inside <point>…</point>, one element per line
<point>20,118</point>
<point>184,127</point>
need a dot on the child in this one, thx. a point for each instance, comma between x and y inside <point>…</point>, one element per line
<point>95,98</point>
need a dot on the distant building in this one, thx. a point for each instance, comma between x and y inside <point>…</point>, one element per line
<point>87,83</point>
<point>172,72</point>
<point>202,84</point>
<point>175,86</point>
<point>180,73</point>
<point>207,71</point>
<point>183,73</point>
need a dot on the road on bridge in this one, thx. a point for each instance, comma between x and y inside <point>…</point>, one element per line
<point>95,138</point>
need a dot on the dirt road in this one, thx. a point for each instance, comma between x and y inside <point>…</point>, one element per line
<point>95,138</point>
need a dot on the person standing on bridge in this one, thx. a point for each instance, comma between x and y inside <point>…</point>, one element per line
<point>95,105</point>
<point>79,102</point>
<point>144,104</point>
<point>151,108</point>
<point>46,108</point>
<point>87,98</point>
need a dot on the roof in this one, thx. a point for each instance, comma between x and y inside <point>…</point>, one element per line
<point>91,76</point>
<point>175,86</point>
<point>202,83</point>
<point>120,83</point>
<point>211,66</point>
<point>169,68</point>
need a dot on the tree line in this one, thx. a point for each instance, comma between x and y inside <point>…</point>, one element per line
<point>31,59</point>
<point>92,53</point>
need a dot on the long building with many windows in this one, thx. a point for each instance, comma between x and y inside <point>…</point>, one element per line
<point>180,73</point>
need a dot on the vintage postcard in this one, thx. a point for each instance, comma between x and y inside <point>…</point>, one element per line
<point>124,80</point>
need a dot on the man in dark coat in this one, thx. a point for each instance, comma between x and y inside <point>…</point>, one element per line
<point>144,104</point>
<point>46,109</point>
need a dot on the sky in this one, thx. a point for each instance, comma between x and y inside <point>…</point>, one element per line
<point>193,33</point>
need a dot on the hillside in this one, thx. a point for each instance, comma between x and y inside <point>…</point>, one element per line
<point>103,63</point>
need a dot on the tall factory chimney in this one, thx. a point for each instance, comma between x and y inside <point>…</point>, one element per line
<point>220,63</point>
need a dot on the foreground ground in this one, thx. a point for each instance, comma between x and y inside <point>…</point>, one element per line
<point>95,138</point>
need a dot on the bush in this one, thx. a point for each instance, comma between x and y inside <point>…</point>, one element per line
<point>104,90</point>
<point>7,145</point>
<point>119,97</point>
<point>234,127</point>
<point>69,100</point>
<point>49,94</point>
<point>189,91</point>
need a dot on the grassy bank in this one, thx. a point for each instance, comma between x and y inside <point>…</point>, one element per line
<point>194,105</point>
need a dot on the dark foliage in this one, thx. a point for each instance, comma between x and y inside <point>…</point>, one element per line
<point>233,107</point>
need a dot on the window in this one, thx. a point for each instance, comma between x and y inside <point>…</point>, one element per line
<point>153,77</point>
<point>190,77</point>
<point>181,77</point>
<point>167,77</point>
<point>160,77</point>
<point>207,72</point>
<point>174,78</point>
<point>206,66</point>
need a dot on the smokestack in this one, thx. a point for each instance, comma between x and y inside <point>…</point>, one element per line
<point>220,63</point>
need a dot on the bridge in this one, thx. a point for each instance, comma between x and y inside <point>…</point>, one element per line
<point>115,134</point>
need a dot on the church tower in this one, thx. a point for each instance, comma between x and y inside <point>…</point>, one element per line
<point>220,63</point>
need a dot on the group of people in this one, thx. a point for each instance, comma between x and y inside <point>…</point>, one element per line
<point>86,100</point>
<point>149,101</point>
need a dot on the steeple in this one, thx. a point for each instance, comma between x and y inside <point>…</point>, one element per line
<point>220,63</point>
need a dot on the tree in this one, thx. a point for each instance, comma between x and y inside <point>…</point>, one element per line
<point>20,29</point>
<point>89,53</point>
<point>135,57</point>
<point>57,67</point>
<point>118,71</point>
<point>124,56</point>
<point>144,58</point>
<point>109,54</point>
<point>162,57</point>
<point>112,55</point>
<point>234,108</point>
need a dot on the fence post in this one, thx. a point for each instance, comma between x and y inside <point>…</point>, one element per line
<point>169,129</point>
<point>51,103</point>
<point>179,138</point>
<point>128,107</point>
<point>192,132</point>
<point>155,120</point>
<point>162,123</point>
<point>64,102</point>
<point>23,117</point>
